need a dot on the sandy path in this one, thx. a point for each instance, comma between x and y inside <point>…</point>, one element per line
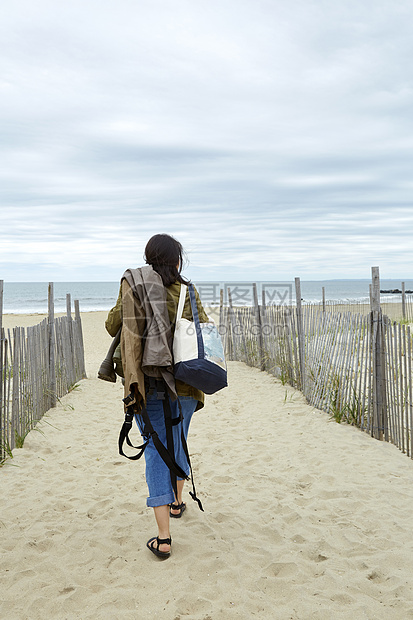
<point>304,519</point>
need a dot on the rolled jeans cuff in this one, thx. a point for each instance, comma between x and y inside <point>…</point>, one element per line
<point>161,500</point>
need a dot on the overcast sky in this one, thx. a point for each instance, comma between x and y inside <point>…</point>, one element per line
<point>274,139</point>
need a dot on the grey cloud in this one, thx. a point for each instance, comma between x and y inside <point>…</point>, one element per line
<point>260,133</point>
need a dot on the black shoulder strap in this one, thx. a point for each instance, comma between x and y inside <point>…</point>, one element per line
<point>148,432</point>
<point>185,447</point>
<point>167,453</point>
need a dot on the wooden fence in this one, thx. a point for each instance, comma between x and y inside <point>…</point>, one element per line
<point>39,364</point>
<point>357,368</point>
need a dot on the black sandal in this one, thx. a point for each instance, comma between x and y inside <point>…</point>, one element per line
<point>180,507</point>
<point>160,541</point>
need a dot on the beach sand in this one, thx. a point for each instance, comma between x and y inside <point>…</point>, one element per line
<point>304,518</point>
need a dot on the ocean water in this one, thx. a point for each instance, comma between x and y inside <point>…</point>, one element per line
<point>350,290</point>
<point>31,297</point>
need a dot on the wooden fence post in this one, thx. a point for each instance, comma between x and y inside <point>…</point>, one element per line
<point>265,328</point>
<point>379,371</point>
<point>324,298</point>
<point>232,332</point>
<point>375,288</point>
<point>68,306</point>
<point>404,300</point>
<point>15,388</point>
<point>72,369</point>
<point>1,306</point>
<point>52,347</point>
<point>80,332</point>
<point>259,326</point>
<point>221,308</point>
<point>300,334</point>
<point>223,328</point>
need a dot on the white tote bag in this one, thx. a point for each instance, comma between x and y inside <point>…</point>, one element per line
<point>197,350</point>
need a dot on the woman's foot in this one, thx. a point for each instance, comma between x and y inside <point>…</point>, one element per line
<point>176,510</point>
<point>161,547</point>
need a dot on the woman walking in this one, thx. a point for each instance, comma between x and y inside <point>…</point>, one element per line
<point>146,311</point>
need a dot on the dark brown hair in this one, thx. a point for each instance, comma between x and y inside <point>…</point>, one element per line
<point>166,255</point>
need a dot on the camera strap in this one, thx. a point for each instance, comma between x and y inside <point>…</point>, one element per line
<point>167,453</point>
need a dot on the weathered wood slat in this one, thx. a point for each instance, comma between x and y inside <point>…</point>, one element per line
<point>2,354</point>
<point>401,408</point>
<point>406,392</point>
<point>410,396</point>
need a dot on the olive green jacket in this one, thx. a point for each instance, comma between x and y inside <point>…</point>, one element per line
<point>132,345</point>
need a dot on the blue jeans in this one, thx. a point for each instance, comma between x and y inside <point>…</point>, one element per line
<point>158,477</point>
